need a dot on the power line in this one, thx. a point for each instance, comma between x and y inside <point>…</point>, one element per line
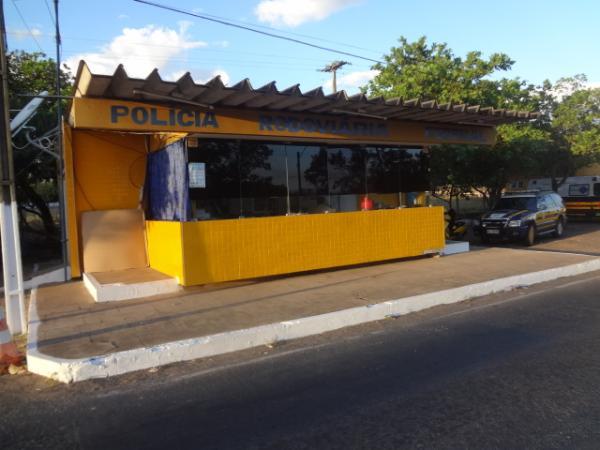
<point>292,33</point>
<point>265,33</point>
<point>50,12</point>
<point>298,34</point>
<point>185,59</point>
<point>27,26</point>
<point>198,63</point>
<point>204,49</point>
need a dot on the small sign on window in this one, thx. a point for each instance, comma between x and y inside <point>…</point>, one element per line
<point>579,189</point>
<point>197,174</point>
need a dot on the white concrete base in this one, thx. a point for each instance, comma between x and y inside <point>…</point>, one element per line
<point>70,370</point>
<point>454,247</point>
<point>51,276</point>
<point>127,291</point>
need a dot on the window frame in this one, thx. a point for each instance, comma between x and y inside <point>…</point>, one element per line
<point>353,177</point>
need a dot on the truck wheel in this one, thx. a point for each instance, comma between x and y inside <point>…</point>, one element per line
<point>530,236</point>
<point>559,228</point>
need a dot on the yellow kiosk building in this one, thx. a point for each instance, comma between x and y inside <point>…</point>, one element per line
<point>208,183</point>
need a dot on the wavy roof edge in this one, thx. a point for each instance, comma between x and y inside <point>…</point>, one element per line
<point>214,93</point>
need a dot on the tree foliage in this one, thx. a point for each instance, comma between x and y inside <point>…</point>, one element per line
<point>434,72</point>
<point>562,139</point>
<point>516,154</point>
<point>577,120</point>
<point>30,74</point>
<point>35,171</point>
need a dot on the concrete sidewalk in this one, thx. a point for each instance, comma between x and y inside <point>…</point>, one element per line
<point>73,338</point>
<point>580,237</point>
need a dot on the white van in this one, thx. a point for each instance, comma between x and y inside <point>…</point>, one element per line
<point>580,194</point>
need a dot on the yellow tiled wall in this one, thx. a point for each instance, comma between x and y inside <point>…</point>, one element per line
<point>225,250</point>
<point>164,246</point>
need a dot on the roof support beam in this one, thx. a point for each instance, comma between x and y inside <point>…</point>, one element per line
<point>172,99</point>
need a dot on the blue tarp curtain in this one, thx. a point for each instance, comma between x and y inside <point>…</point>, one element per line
<point>167,183</point>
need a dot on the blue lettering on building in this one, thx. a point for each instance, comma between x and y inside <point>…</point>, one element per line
<point>345,127</point>
<point>210,120</point>
<point>139,115</point>
<point>143,115</point>
<point>448,134</point>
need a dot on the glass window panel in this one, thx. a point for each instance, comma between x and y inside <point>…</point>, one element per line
<point>346,180</point>
<point>308,179</point>
<point>383,177</point>
<point>579,190</point>
<point>558,199</point>
<point>220,199</point>
<point>255,179</point>
<point>414,175</point>
<point>264,179</point>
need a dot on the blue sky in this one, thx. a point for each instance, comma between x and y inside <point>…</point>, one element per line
<point>547,39</point>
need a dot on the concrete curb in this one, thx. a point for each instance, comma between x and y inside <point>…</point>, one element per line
<point>70,370</point>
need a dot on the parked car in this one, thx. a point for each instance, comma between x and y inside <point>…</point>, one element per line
<point>523,216</point>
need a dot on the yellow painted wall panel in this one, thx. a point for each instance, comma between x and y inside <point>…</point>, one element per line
<point>157,141</point>
<point>71,207</point>
<point>103,170</point>
<point>224,250</point>
<point>164,247</point>
<point>109,169</point>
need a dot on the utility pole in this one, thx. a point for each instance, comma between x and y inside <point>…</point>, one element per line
<point>9,223</point>
<point>333,68</point>
<point>60,179</point>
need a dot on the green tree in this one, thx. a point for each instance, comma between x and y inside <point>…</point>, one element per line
<point>420,70</point>
<point>449,175</point>
<point>35,171</point>
<point>517,154</point>
<point>433,71</point>
<point>458,170</point>
<point>576,119</point>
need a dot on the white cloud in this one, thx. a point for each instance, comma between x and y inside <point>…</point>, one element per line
<point>225,78</point>
<point>21,33</point>
<point>185,25</point>
<point>122,16</point>
<point>292,13</point>
<point>140,50</point>
<point>174,76</point>
<point>353,80</point>
<point>222,44</point>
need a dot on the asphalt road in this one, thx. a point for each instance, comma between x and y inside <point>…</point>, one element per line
<point>514,370</point>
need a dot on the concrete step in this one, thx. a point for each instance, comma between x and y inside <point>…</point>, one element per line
<point>454,247</point>
<point>128,284</point>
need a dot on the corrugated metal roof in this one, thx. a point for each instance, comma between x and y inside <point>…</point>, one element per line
<point>242,95</point>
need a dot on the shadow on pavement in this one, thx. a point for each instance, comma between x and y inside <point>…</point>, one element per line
<point>580,237</point>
